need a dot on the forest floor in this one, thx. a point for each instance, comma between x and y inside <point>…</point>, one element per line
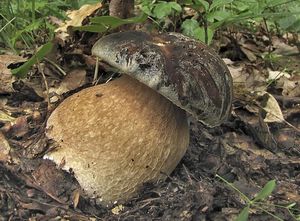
<point>260,142</point>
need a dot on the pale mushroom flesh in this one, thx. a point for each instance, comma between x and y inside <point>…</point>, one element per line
<point>117,136</point>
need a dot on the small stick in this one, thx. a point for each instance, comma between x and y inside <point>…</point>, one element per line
<point>96,71</point>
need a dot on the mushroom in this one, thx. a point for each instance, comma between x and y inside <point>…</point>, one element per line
<point>134,129</point>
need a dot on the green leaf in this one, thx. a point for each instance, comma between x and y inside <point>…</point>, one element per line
<point>291,205</point>
<point>265,191</point>
<point>147,9</point>
<point>219,3</point>
<point>218,16</point>
<point>147,6</point>
<point>99,28</point>
<point>114,22</point>
<point>273,3</point>
<point>200,35</point>
<point>175,6</point>
<point>203,3</point>
<point>29,28</point>
<point>241,6</point>
<point>244,214</point>
<point>164,9</point>
<point>191,28</point>
<point>290,23</point>
<point>40,54</point>
<point>187,2</point>
<point>84,2</point>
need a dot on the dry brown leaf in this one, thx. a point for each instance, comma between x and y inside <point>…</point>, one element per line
<point>269,104</point>
<point>290,86</point>
<point>76,78</point>
<point>246,144</point>
<point>256,80</point>
<point>238,76</point>
<point>282,48</point>
<point>249,54</point>
<point>73,80</point>
<point>290,190</point>
<point>75,197</point>
<point>276,75</point>
<point>20,127</point>
<point>6,77</point>
<point>116,210</point>
<point>4,149</point>
<point>6,80</point>
<point>10,59</point>
<point>76,18</point>
<point>251,50</point>
<point>264,134</point>
<point>5,117</point>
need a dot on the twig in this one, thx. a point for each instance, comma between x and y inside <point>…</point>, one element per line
<point>56,66</point>
<point>188,174</point>
<point>45,82</point>
<point>96,71</point>
<point>283,99</point>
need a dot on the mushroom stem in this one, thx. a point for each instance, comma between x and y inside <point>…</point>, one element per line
<point>118,135</point>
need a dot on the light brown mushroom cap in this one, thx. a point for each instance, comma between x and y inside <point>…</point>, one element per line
<point>183,70</point>
<point>116,136</point>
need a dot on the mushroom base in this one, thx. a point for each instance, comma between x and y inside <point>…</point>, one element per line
<point>117,136</point>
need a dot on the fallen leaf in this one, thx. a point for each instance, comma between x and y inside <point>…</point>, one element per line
<point>6,80</point>
<point>10,59</point>
<point>6,77</point>
<point>290,86</point>
<point>75,197</point>
<point>76,18</point>
<point>116,210</point>
<point>256,80</point>
<point>5,117</point>
<point>282,48</point>
<point>290,190</point>
<point>275,75</point>
<point>238,76</point>
<point>19,127</point>
<point>247,144</point>
<point>4,149</point>
<point>269,104</point>
<point>249,54</point>
<point>73,80</point>
<point>264,135</point>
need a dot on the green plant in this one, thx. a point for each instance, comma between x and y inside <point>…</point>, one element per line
<point>259,202</point>
<point>277,14</point>
<point>101,24</point>
<point>25,23</point>
<point>160,9</point>
<point>201,25</point>
<point>209,16</point>
<point>36,58</point>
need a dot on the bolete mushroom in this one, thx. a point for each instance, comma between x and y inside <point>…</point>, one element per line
<point>119,135</point>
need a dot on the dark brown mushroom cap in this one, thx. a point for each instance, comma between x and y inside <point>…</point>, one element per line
<point>183,70</point>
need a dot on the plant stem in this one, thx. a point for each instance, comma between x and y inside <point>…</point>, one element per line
<point>236,189</point>
<point>33,10</point>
